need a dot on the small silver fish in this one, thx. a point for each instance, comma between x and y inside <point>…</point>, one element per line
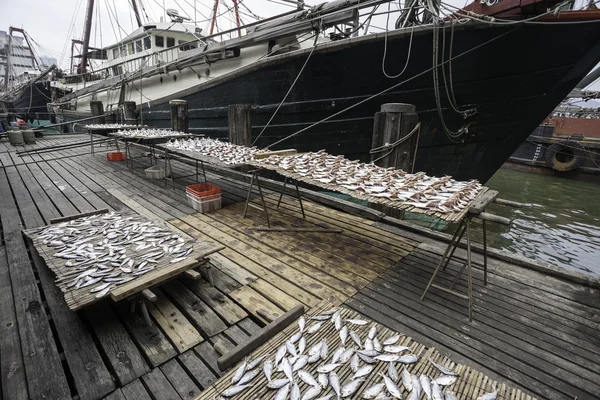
<point>268,369</point>
<point>307,378</point>
<point>367,359</point>
<point>248,377</point>
<point>345,357</point>
<point>103,293</point>
<point>337,354</point>
<point>407,380</point>
<point>300,363</point>
<point>287,369</point>
<point>359,322</point>
<point>301,345</point>
<point>416,385</point>
<point>100,288</point>
<point>395,349</point>
<point>368,353</point>
<point>178,259</point>
<point>324,369</point>
<point>386,357</point>
<point>282,393</point>
<point>356,338</point>
<point>354,362</point>
<point>311,393</point>
<point>314,358</point>
<point>344,335</point>
<point>338,322</point>
<point>295,337</point>
<point>301,323</point>
<point>362,371</point>
<point>369,344</point>
<point>391,387</point>
<point>392,372</point>
<point>314,327</point>
<point>408,359</point>
<point>449,394</point>
<point>232,391</point>
<point>446,380</point>
<point>334,381</point>
<point>377,345</point>
<point>320,317</point>
<point>426,385</point>
<point>280,354</point>
<point>323,380</point>
<point>324,349</point>
<point>391,340</point>
<point>316,349</point>
<point>277,383</point>
<point>436,391</point>
<point>373,332</point>
<point>373,391</point>
<point>443,369</point>
<point>295,392</point>
<point>326,397</point>
<point>255,363</point>
<point>239,373</point>
<point>351,387</point>
<point>291,349</point>
<point>489,396</point>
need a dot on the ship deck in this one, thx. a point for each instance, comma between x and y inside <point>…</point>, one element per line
<point>531,331</point>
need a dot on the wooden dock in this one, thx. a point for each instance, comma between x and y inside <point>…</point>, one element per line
<point>533,332</point>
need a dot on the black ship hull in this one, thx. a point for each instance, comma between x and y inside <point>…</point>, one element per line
<point>512,76</point>
<point>30,102</point>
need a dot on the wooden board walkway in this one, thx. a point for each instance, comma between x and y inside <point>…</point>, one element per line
<point>532,332</point>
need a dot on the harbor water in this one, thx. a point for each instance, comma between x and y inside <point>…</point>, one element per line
<point>560,224</point>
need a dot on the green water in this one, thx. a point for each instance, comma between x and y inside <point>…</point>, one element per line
<point>560,225</point>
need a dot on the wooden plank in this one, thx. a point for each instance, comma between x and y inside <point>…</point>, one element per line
<point>256,304</point>
<point>135,391</point>
<point>197,369</point>
<point>242,350</point>
<point>116,395</point>
<point>227,275</point>
<point>157,276</point>
<point>123,355</point>
<point>276,296</point>
<point>478,205</point>
<point>276,229</point>
<point>175,325</point>
<point>280,153</point>
<point>159,386</point>
<point>249,326</point>
<point>200,314</point>
<point>91,377</point>
<point>221,304</point>
<point>12,367</point>
<point>80,215</point>
<point>208,354</point>
<point>236,335</point>
<point>150,339</point>
<point>181,382</point>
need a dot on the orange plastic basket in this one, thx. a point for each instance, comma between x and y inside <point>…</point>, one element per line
<point>202,189</point>
<point>116,156</point>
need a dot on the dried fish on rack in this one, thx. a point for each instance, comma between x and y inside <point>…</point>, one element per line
<point>103,251</point>
<point>112,126</point>
<point>227,153</point>
<point>149,133</point>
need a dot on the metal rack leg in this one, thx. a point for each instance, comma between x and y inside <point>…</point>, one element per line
<point>262,200</point>
<point>469,268</point>
<point>249,194</point>
<point>300,200</point>
<point>282,190</point>
<point>203,171</point>
<point>484,253</point>
<point>128,155</point>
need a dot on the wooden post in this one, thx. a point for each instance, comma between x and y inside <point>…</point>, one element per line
<point>394,122</point>
<point>129,109</point>
<point>240,126</point>
<point>97,109</point>
<point>179,115</point>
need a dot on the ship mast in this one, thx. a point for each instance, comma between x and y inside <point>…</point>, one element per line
<point>237,17</point>
<point>9,49</point>
<point>136,12</point>
<point>86,35</point>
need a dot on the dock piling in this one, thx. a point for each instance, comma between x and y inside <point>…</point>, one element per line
<point>240,126</point>
<point>179,115</point>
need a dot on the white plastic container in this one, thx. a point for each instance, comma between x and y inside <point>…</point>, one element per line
<point>157,172</point>
<point>206,203</point>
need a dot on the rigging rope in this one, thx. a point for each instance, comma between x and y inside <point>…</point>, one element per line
<point>393,146</point>
<point>385,41</point>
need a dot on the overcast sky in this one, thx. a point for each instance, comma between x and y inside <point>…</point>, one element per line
<point>53,23</point>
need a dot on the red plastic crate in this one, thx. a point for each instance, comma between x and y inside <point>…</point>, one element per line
<point>116,156</point>
<point>202,190</point>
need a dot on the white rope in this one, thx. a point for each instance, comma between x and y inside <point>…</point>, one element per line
<point>289,90</point>
<point>393,146</point>
<point>385,40</point>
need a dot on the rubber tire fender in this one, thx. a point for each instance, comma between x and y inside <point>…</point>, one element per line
<point>555,148</point>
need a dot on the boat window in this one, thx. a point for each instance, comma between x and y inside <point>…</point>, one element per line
<point>147,43</point>
<point>115,52</point>
<point>138,46</point>
<point>131,48</point>
<point>159,41</point>
<point>123,50</point>
<point>170,42</point>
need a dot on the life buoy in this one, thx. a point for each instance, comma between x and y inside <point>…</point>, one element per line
<point>565,156</point>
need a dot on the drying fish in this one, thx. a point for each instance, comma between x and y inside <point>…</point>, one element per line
<point>372,332</point>
<point>408,359</point>
<point>377,345</point>
<point>356,338</point>
<point>338,322</point>
<point>344,335</point>
<point>391,387</point>
<point>416,383</point>
<point>268,369</point>
<point>391,340</point>
<point>334,381</point>
<point>359,322</point>
<point>426,385</point>
<point>362,371</point>
<point>100,288</point>
<point>324,349</point>
<point>314,358</point>
<point>314,327</point>
<point>354,362</point>
<point>395,349</point>
<point>239,373</point>
<point>312,393</point>
<point>368,353</point>
<point>369,344</point>
<point>327,397</point>
<point>280,354</point>
<point>307,378</point>
<point>248,377</point>
<point>351,387</point>
<point>277,383</point>
<point>449,395</point>
<point>295,392</point>
<point>103,293</point>
<point>316,349</point>
<point>301,345</point>
<point>321,317</point>
<point>295,337</point>
<point>255,363</point>
<point>345,356</point>
<point>323,380</point>
<point>282,393</point>
<point>290,348</point>
<point>367,359</point>
<point>301,323</point>
<point>373,391</point>
<point>436,391</point>
<point>300,363</point>
<point>387,357</point>
<point>446,380</point>
<point>324,369</point>
<point>392,372</point>
<point>489,396</point>
<point>232,391</point>
<point>148,133</point>
<point>443,369</point>
<point>337,354</point>
<point>287,369</point>
<point>406,380</point>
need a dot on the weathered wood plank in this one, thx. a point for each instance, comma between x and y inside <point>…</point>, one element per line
<point>159,386</point>
<point>208,354</point>
<point>221,304</point>
<point>255,303</point>
<point>179,379</point>
<point>249,326</point>
<point>135,390</point>
<point>197,369</point>
<point>125,359</point>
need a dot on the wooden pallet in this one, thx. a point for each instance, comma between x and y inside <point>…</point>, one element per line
<point>469,385</point>
<point>82,297</point>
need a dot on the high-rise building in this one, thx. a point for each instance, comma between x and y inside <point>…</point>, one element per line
<point>21,59</point>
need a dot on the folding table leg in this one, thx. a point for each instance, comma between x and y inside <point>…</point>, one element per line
<point>249,194</point>
<point>484,253</point>
<point>203,172</point>
<point>300,200</point>
<point>470,272</point>
<point>455,241</point>
<point>282,190</point>
<point>262,200</point>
